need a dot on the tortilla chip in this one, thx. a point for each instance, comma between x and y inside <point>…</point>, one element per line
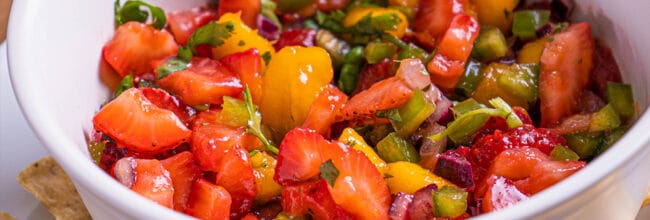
<point>6,216</point>
<point>49,184</point>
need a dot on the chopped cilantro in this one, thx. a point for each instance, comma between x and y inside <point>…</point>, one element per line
<point>126,83</point>
<point>329,172</point>
<point>254,126</point>
<point>172,65</point>
<point>212,34</point>
<point>131,11</point>
<point>366,29</point>
<point>241,43</point>
<point>266,57</point>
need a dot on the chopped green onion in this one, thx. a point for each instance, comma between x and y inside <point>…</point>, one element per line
<point>450,202</point>
<point>395,148</point>
<point>466,106</point>
<point>415,111</point>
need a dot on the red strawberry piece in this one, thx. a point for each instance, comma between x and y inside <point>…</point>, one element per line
<point>236,175</point>
<point>433,19</point>
<point>547,173</point>
<point>500,194</point>
<point>210,142</point>
<point>163,100</point>
<point>248,66</point>
<point>322,112</point>
<point>373,73</point>
<point>146,177</point>
<point>248,9</point>
<point>296,37</point>
<point>516,164</point>
<point>183,171</point>
<point>494,123</point>
<point>566,64</point>
<point>250,216</point>
<point>208,201</point>
<point>300,156</point>
<point>183,23</point>
<point>135,45</point>
<point>386,94</point>
<point>206,81</point>
<point>312,196</point>
<point>135,122</point>
<point>359,188</point>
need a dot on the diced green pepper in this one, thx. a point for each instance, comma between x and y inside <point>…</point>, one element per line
<point>375,52</point>
<point>417,109</point>
<point>466,106</point>
<point>490,44</point>
<point>562,153</point>
<point>471,77</point>
<point>521,80</point>
<point>610,139</point>
<point>467,124</point>
<point>394,148</point>
<point>407,50</point>
<point>450,202</point>
<point>620,96</point>
<point>604,119</point>
<point>526,23</point>
<point>584,143</point>
<point>349,75</point>
<point>234,112</point>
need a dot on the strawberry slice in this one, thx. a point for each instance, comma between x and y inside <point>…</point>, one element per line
<point>208,201</point>
<point>501,194</point>
<point>566,62</point>
<point>373,73</point>
<point>163,100</point>
<point>359,188</point>
<point>300,156</point>
<point>547,173</point>
<point>183,23</point>
<point>183,171</point>
<point>322,112</point>
<point>135,45</point>
<point>236,176</point>
<point>433,18</point>
<point>248,65</point>
<point>248,9</point>
<point>296,37</point>
<point>386,94</point>
<point>516,164</point>
<point>312,196</point>
<point>205,81</point>
<point>146,177</point>
<point>135,122</point>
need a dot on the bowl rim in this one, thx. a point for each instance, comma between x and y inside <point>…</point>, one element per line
<point>86,174</point>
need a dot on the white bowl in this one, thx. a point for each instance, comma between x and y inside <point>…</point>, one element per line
<point>54,59</point>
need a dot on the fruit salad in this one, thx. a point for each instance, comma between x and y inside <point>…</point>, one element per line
<point>354,109</point>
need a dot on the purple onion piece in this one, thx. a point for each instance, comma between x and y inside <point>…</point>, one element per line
<point>267,28</point>
<point>455,168</point>
<point>399,208</point>
<point>124,171</point>
<point>422,206</point>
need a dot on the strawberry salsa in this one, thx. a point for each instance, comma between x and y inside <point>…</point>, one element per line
<point>354,109</point>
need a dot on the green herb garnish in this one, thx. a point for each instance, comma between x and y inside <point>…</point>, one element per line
<point>329,172</point>
<point>212,34</point>
<point>126,83</point>
<point>131,11</point>
<point>254,126</point>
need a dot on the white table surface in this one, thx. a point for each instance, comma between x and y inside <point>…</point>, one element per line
<point>19,147</point>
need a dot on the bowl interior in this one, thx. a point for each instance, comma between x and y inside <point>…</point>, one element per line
<point>55,63</point>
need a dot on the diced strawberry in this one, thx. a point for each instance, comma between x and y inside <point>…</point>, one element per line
<point>250,216</point>
<point>135,122</point>
<point>433,18</point>
<point>183,23</point>
<point>208,201</point>
<point>493,124</point>
<point>146,177</point>
<point>248,65</point>
<point>300,156</point>
<point>386,94</point>
<point>236,175</point>
<point>501,193</point>
<point>566,64</point>
<point>296,37</point>
<point>211,140</point>
<point>454,48</point>
<point>163,100</point>
<point>206,81</point>
<point>312,196</point>
<point>183,171</point>
<point>322,112</point>
<point>527,136</point>
<point>522,114</point>
<point>547,173</point>
<point>516,164</point>
<point>248,9</point>
<point>359,188</point>
<point>135,45</point>
<point>373,73</point>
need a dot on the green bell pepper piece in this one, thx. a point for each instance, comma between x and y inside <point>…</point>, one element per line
<point>525,23</point>
<point>395,148</point>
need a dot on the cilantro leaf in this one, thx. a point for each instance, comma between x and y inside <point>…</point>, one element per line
<point>172,65</point>
<point>212,34</point>
<point>366,29</point>
<point>329,172</point>
<point>131,11</point>
<point>126,83</point>
<point>253,126</point>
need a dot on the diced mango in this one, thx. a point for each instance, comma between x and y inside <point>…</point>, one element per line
<point>242,39</point>
<point>409,177</point>
<point>498,13</point>
<point>532,51</point>
<point>354,140</point>
<point>358,13</point>
<point>264,169</point>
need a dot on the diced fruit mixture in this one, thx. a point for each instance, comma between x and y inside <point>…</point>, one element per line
<point>354,109</point>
